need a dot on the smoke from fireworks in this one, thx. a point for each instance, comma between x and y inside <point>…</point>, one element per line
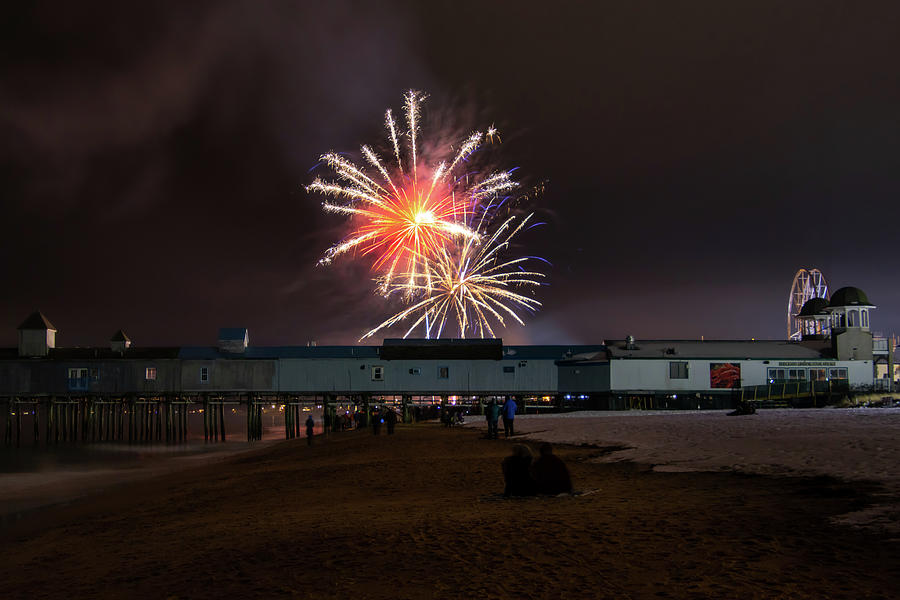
<point>427,228</point>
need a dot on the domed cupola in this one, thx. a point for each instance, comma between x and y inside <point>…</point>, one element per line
<point>814,320</point>
<point>849,307</point>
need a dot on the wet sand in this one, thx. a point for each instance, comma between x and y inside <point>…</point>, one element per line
<point>417,515</point>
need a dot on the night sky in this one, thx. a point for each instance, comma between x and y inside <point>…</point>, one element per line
<point>696,154</point>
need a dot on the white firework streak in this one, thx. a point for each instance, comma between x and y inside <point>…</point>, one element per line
<point>473,287</point>
<point>405,227</point>
<point>392,128</point>
<point>412,117</point>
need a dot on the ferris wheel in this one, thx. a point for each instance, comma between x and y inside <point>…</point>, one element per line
<point>808,283</point>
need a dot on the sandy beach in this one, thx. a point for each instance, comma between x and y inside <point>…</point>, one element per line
<point>419,515</point>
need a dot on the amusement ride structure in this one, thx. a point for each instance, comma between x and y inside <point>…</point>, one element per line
<point>808,284</point>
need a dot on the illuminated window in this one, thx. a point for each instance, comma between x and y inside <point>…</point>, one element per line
<point>443,372</point>
<point>797,374</point>
<point>150,373</point>
<point>204,374</point>
<point>817,374</point>
<point>678,370</point>
<point>377,373</point>
<point>837,373</point>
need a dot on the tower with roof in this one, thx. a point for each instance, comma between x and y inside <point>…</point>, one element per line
<point>37,335</point>
<point>848,310</point>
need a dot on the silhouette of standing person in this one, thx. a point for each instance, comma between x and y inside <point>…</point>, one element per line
<point>310,424</point>
<point>390,419</point>
<point>509,415</point>
<point>377,420</point>
<point>550,473</point>
<point>492,415</point>
<point>517,472</point>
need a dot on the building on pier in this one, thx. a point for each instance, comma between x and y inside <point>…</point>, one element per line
<point>611,375</point>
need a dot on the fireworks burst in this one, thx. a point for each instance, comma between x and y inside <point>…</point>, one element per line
<point>427,225</point>
<point>404,216</point>
<point>472,284</point>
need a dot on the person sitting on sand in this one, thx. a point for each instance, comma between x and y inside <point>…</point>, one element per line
<point>517,472</point>
<point>551,476</point>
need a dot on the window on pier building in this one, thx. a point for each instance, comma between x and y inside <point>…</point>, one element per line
<point>678,370</point>
<point>797,374</point>
<point>377,373</point>
<point>776,375</point>
<point>78,373</point>
<point>150,373</point>
<point>509,369</point>
<point>443,372</point>
<point>837,373</point>
<point>817,374</point>
<point>204,374</point>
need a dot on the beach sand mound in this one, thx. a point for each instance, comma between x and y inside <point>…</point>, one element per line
<point>404,516</point>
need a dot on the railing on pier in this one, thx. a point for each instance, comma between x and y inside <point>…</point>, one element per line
<point>788,393</point>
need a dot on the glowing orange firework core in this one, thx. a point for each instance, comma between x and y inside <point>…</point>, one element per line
<point>412,222</point>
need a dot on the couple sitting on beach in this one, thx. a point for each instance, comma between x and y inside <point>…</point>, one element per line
<point>546,475</point>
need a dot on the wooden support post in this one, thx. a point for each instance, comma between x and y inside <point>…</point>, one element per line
<point>18,423</point>
<point>170,432</point>
<point>7,437</point>
<point>222,420</point>
<point>102,420</point>
<point>7,431</point>
<point>205,418</point>
<point>158,411</point>
<point>35,421</point>
<point>130,410</point>
<point>48,430</point>
<point>57,411</point>
<point>250,425</point>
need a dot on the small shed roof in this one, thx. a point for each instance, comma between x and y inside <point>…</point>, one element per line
<point>119,336</point>
<point>37,320</point>
<point>233,334</point>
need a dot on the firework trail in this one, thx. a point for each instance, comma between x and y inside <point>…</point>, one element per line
<point>472,284</point>
<point>406,216</point>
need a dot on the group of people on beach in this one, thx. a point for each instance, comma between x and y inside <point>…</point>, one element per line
<point>525,476</point>
<point>492,414</point>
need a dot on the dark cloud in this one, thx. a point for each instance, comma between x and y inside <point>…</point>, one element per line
<point>153,158</point>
